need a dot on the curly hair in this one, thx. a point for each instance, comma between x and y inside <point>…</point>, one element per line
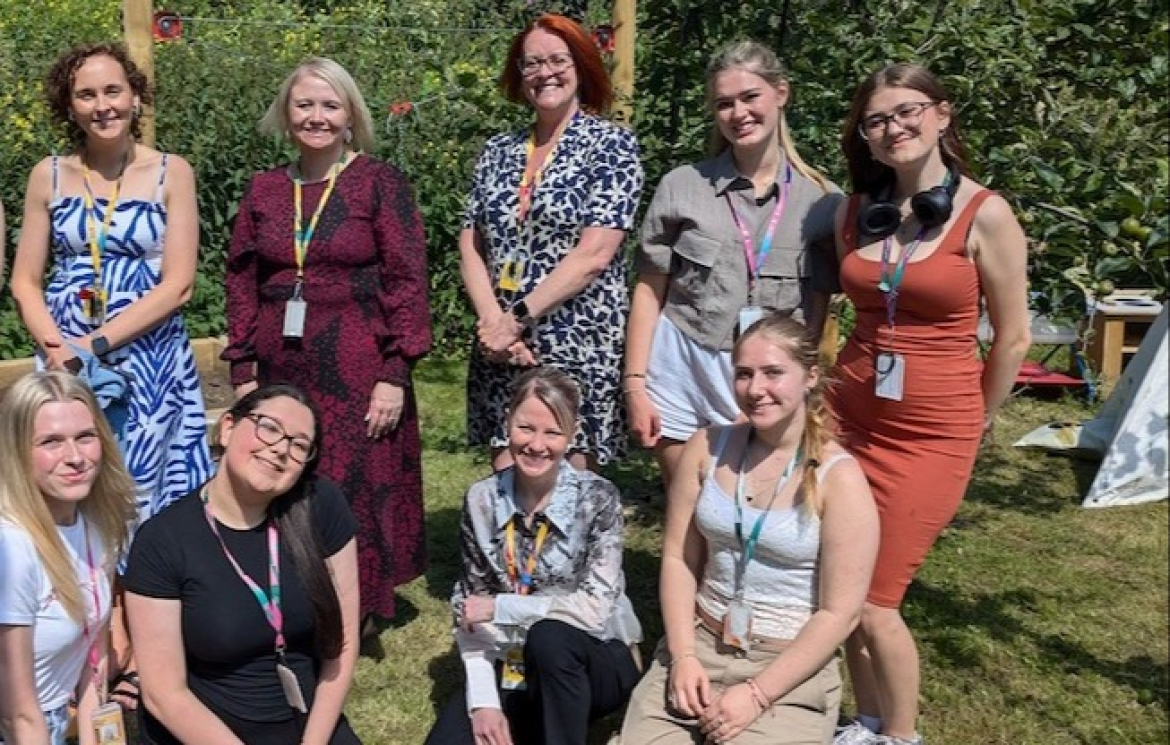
<point>59,86</point>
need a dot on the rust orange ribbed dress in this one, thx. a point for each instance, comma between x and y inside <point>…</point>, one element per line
<point>917,453</point>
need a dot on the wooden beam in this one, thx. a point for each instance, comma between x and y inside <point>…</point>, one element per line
<point>137,28</point>
<point>624,36</point>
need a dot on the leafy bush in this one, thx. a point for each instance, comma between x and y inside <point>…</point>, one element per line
<point>1064,107</point>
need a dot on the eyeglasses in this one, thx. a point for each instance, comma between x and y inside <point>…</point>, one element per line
<point>556,63</point>
<point>907,115</point>
<point>270,432</point>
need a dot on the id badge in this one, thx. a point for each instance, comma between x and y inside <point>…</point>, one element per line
<point>292,687</point>
<point>748,316</point>
<point>889,373</point>
<point>737,625</point>
<point>108,727</point>
<point>512,671</point>
<point>92,306</point>
<point>294,318</point>
<point>510,274</point>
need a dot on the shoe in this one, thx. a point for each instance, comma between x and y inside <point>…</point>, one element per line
<point>887,740</point>
<point>855,733</point>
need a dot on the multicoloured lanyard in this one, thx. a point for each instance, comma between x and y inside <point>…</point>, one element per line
<point>303,234</point>
<point>99,681</point>
<point>748,546</point>
<point>269,601</point>
<point>528,183</point>
<point>889,283</point>
<point>96,236</point>
<point>523,582</point>
<point>755,260</point>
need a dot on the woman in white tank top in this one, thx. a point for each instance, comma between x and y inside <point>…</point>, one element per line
<point>771,535</point>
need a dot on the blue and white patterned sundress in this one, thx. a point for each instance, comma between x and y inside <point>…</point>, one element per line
<point>165,437</point>
<point>594,180</point>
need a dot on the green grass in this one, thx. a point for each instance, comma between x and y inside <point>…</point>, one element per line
<point>1038,621</point>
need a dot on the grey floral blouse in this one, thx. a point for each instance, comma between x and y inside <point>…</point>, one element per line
<point>577,579</point>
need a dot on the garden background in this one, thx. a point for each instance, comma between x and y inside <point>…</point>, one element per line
<point>1040,623</point>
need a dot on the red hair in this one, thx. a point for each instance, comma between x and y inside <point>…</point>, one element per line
<point>593,87</point>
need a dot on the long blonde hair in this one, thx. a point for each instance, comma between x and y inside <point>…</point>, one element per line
<point>109,508</point>
<point>758,60</point>
<point>793,337</point>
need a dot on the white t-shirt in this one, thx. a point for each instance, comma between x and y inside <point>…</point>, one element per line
<point>60,647</point>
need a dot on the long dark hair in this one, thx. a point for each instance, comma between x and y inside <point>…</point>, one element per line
<point>868,176</point>
<point>293,513</point>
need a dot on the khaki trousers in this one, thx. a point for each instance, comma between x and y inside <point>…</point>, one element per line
<point>806,716</point>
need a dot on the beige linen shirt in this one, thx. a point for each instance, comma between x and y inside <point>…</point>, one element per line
<point>689,233</point>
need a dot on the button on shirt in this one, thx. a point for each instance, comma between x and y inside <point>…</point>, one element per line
<point>689,234</point>
<point>578,577</point>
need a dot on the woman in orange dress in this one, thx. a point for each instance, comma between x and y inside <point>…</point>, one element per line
<point>922,246</point>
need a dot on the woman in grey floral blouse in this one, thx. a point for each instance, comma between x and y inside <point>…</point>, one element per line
<point>541,617</point>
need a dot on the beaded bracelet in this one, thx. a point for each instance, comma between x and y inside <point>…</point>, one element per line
<point>758,695</point>
<point>634,375</point>
<point>675,660</point>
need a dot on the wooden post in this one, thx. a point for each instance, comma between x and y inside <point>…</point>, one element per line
<point>624,30</point>
<point>137,25</point>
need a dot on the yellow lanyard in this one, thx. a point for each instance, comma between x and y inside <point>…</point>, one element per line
<point>523,582</point>
<point>95,235</point>
<point>528,183</point>
<point>302,234</point>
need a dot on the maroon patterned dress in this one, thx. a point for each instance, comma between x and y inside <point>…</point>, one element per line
<point>368,320</point>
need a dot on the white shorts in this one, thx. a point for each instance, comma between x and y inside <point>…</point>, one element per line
<point>692,386</point>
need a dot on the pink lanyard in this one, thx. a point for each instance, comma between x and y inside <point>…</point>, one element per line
<point>90,636</point>
<point>269,601</point>
<point>756,260</point>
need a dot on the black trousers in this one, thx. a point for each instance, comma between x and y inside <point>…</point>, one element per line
<point>573,678</point>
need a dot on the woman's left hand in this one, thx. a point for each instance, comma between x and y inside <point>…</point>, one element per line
<point>385,409</point>
<point>729,714</point>
<point>499,333</point>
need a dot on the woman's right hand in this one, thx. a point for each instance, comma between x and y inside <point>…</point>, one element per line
<point>490,727</point>
<point>498,333</point>
<point>58,355</point>
<point>688,687</point>
<point>645,421</point>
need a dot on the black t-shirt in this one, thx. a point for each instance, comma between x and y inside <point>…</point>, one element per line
<point>229,644</point>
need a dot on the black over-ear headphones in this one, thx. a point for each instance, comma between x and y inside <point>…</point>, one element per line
<point>932,207</point>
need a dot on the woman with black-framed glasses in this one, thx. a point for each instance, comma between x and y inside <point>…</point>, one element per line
<point>243,596</point>
<point>922,247</point>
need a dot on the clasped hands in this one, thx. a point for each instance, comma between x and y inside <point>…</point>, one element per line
<point>499,340</point>
<point>721,717</point>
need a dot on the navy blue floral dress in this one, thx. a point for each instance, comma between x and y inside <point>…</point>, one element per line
<point>594,180</point>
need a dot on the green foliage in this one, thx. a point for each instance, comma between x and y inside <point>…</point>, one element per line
<point>1064,107</point>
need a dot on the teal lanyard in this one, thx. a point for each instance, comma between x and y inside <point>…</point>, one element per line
<point>748,547</point>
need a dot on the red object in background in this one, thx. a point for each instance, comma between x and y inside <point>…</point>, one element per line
<point>167,26</point>
<point>398,108</point>
<point>603,38</point>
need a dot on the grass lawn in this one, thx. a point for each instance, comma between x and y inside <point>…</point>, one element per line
<point>1039,621</point>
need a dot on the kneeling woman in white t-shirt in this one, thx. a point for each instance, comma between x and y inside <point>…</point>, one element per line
<point>65,502</point>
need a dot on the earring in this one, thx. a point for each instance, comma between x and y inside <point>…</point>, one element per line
<point>70,117</point>
<point>942,133</point>
<point>348,135</point>
<point>136,111</point>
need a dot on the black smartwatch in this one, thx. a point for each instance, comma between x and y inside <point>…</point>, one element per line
<point>100,345</point>
<point>521,313</point>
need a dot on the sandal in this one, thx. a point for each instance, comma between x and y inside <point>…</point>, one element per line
<point>125,686</point>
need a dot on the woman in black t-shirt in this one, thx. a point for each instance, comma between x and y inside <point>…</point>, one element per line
<point>243,596</point>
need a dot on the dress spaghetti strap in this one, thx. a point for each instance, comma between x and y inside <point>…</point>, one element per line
<point>54,161</point>
<point>162,177</point>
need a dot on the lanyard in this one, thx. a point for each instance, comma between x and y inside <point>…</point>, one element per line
<point>269,601</point>
<point>755,261</point>
<point>303,234</point>
<point>523,583</point>
<point>96,235</point>
<point>748,546</point>
<point>528,183</point>
<point>889,283</point>
<point>97,678</point>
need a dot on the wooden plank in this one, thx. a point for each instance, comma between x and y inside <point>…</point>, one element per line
<point>138,33</point>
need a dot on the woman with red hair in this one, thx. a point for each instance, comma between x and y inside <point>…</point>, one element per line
<point>548,210</point>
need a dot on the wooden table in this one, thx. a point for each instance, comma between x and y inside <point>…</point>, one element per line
<point>1117,329</point>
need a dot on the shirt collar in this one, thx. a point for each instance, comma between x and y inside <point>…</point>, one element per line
<point>728,178</point>
<point>561,507</point>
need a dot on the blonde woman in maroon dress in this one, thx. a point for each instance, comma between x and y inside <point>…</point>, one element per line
<point>339,308</point>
